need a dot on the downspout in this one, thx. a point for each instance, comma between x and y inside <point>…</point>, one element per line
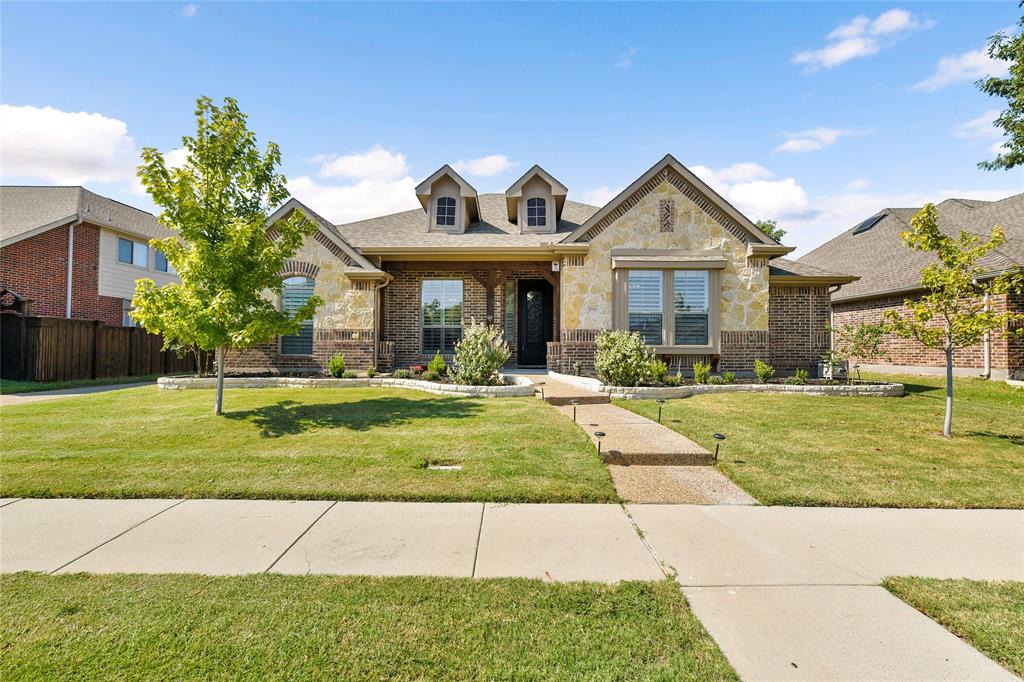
<point>986,345</point>
<point>71,260</point>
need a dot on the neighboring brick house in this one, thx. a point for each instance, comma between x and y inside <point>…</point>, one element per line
<point>74,253</point>
<point>890,273</point>
<point>667,257</point>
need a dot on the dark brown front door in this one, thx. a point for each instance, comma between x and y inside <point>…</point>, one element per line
<point>535,321</point>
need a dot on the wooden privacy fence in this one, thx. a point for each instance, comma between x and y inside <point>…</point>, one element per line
<point>60,349</point>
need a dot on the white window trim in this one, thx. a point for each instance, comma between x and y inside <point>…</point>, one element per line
<point>620,309</point>
<point>133,242</point>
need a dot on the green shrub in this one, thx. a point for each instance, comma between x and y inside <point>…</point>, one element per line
<point>701,372</point>
<point>659,370</point>
<point>437,365</point>
<point>717,380</point>
<point>672,380</point>
<point>402,374</point>
<point>799,378</point>
<point>479,355</point>
<point>371,372</point>
<point>430,375</point>
<point>729,377</point>
<point>763,371</point>
<point>622,358</point>
<point>336,365</point>
<point>577,368</point>
<point>348,374</point>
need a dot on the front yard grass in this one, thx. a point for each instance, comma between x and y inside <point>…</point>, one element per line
<point>856,452</point>
<point>988,614</point>
<point>321,443</point>
<point>12,386</point>
<point>325,627</point>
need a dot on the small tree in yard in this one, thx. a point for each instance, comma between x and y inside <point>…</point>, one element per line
<point>218,202</point>
<point>953,313</point>
<point>860,342</point>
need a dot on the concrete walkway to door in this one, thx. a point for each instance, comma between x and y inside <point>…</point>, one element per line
<point>788,593</point>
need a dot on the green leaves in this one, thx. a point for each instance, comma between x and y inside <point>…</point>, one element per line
<point>1008,48</point>
<point>218,201</point>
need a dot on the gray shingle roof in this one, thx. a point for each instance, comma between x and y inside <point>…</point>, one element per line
<point>27,209</point>
<point>409,228</point>
<point>783,267</point>
<point>886,266</point>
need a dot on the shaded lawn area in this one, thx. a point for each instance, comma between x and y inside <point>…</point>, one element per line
<point>855,452</point>
<point>988,614</point>
<point>11,386</point>
<point>325,627</point>
<point>321,443</point>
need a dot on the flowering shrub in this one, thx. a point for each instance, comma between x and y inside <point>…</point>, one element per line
<point>402,374</point>
<point>371,372</point>
<point>417,369</point>
<point>622,358</point>
<point>479,355</point>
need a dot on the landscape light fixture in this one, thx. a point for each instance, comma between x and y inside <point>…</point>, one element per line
<point>600,435</point>
<point>574,402</point>
<point>660,401</point>
<point>719,437</point>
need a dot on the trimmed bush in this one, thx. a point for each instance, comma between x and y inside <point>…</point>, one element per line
<point>622,358</point>
<point>799,378</point>
<point>479,355</point>
<point>717,380</point>
<point>371,372</point>
<point>729,377</point>
<point>763,371</point>
<point>336,366</point>
<point>348,374</point>
<point>701,372</point>
<point>402,374</point>
<point>437,365</point>
<point>659,370</point>
<point>430,375</point>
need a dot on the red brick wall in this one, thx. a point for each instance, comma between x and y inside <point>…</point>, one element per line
<point>355,344</point>
<point>797,319</point>
<point>1006,354</point>
<point>37,268</point>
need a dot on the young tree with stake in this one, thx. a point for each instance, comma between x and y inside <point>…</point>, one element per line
<point>218,202</point>
<point>954,312</point>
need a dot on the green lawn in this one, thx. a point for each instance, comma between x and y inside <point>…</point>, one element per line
<point>322,627</point>
<point>887,452</point>
<point>324,443</point>
<point>989,615</point>
<point>11,386</point>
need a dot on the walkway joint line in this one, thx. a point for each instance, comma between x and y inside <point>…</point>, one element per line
<point>479,533</point>
<point>300,536</point>
<point>643,539</point>
<point>125,531</point>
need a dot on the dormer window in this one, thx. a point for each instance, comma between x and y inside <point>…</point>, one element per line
<point>446,211</point>
<point>536,212</point>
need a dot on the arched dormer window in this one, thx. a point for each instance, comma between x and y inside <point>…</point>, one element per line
<point>536,212</point>
<point>446,211</point>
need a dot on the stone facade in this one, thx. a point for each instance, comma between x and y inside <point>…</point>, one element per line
<point>1006,353</point>
<point>343,324</point>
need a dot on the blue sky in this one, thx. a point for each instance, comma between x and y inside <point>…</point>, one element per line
<point>817,114</point>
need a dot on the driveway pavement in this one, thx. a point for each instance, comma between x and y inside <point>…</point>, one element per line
<point>788,593</point>
<point>10,399</point>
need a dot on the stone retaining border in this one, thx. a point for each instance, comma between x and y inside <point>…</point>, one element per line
<point>882,390</point>
<point>521,387</point>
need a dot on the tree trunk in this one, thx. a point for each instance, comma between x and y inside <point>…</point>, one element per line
<point>218,407</point>
<point>947,427</point>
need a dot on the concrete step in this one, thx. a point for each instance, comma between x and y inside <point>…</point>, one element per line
<point>583,399</point>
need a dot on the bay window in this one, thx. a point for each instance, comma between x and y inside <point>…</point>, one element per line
<point>441,315</point>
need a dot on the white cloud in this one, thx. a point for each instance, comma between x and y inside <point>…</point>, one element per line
<point>811,140</point>
<point>747,187</point>
<point>858,183</point>
<point>61,147</point>
<point>961,68</point>
<point>376,163</point>
<point>599,196</point>
<point>189,10</point>
<point>625,59</point>
<point>357,201</point>
<point>485,166</point>
<point>861,37</point>
<point>982,128</point>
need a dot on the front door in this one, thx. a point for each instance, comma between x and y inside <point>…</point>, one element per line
<point>536,313</point>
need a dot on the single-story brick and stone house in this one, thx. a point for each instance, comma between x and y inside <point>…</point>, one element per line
<point>667,257</point>
<point>890,273</point>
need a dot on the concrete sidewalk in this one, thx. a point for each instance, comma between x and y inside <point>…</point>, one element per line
<point>788,593</point>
